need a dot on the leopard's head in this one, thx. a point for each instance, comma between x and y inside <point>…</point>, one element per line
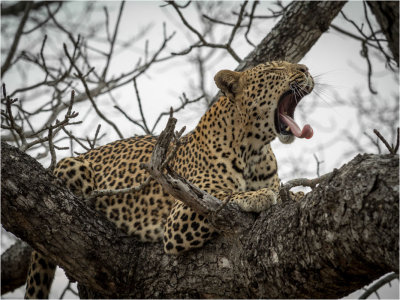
<point>267,96</point>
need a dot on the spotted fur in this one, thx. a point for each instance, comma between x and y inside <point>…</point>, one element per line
<point>227,155</point>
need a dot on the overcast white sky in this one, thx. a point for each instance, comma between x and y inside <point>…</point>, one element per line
<point>334,56</point>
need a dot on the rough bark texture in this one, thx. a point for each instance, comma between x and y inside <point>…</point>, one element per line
<point>294,35</point>
<point>14,266</point>
<point>340,237</point>
<point>387,15</point>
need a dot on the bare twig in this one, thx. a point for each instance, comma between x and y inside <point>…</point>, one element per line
<point>318,163</point>
<point>10,118</point>
<point>356,37</point>
<point>177,143</point>
<point>374,38</point>
<point>381,282</point>
<point>87,90</point>
<point>40,24</point>
<point>112,42</point>
<point>364,53</point>
<point>7,63</point>
<point>202,41</point>
<point>255,3</point>
<point>221,22</point>
<point>66,289</point>
<point>236,27</point>
<point>374,142</point>
<point>57,126</point>
<point>101,193</point>
<point>129,118</point>
<point>96,136</point>
<point>107,23</point>
<point>396,148</point>
<point>184,101</point>
<point>146,129</point>
<point>75,139</point>
<point>365,42</point>
<point>312,183</point>
<point>392,149</point>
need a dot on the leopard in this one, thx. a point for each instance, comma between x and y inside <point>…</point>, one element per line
<point>228,154</point>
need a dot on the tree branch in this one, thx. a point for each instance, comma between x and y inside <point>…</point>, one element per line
<point>14,266</point>
<point>377,285</point>
<point>223,217</point>
<point>387,15</point>
<point>295,34</point>
<point>342,236</point>
<point>7,63</point>
<point>20,6</point>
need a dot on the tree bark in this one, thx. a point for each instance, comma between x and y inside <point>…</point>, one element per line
<point>295,34</point>
<point>14,266</point>
<point>387,15</point>
<point>343,235</point>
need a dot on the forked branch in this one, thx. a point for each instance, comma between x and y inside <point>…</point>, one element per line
<point>224,217</point>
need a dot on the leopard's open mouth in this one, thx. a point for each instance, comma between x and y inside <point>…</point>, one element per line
<point>284,116</point>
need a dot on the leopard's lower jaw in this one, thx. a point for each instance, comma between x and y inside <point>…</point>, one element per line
<point>286,138</point>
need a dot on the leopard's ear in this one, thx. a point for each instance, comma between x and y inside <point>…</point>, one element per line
<point>228,82</point>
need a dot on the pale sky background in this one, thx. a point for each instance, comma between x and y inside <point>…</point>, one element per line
<point>334,56</point>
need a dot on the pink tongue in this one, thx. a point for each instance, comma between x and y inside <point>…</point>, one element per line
<point>307,131</point>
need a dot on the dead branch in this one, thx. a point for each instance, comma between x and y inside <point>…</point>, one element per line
<point>318,163</point>
<point>202,41</point>
<point>164,163</point>
<point>377,285</point>
<point>229,218</point>
<point>146,129</point>
<point>8,115</point>
<point>392,149</point>
<point>112,41</point>
<point>184,102</point>
<point>87,90</point>
<point>251,17</point>
<point>7,63</point>
<point>68,288</point>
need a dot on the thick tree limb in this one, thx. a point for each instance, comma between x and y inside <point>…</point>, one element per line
<point>387,15</point>
<point>14,266</point>
<point>343,235</point>
<point>294,35</point>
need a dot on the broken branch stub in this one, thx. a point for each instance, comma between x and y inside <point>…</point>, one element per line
<point>225,217</point>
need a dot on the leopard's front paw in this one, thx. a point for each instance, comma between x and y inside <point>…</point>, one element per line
<point>257,201</point>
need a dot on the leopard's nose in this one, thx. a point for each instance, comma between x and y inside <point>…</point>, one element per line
<point>310,83</point>
<point>302,68</point>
